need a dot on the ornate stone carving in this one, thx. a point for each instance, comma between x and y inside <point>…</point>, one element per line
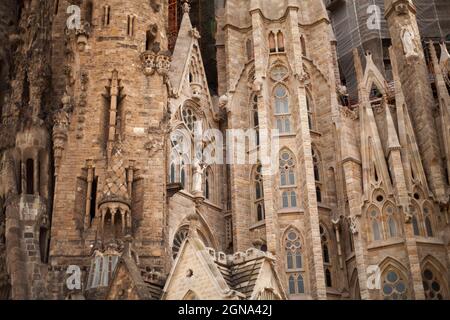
<point>152,62</point>
<point>353,224</point>
<point>82,35</point>
<point>349,113</point>
<point>409,42</point>
<point>163,64</point>
<point>195,33</point>
<point>148,60</point>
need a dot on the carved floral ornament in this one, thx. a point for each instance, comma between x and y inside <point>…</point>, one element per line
<point>152,62</point>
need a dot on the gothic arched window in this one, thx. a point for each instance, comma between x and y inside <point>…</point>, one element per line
<point>30,176</point>
<point>294,262</point>
<point>272,44</point>
<point>282,112</point>
<point>172,173</point>
<point>415,221</point>
<point>375,224</point>
<point>328,279</point>
<point>317,174</point>
<point>189,118</point>
<point>327,264</point>
<point>259,193</point>
<point>394,285</point>
<point>287,179</point>
<point>178,240</point>
<point>280,41</point>
<point>392,226</point>
<point>250,50</point>
<point>324,240</point>
<point>433,285</point>
<point>303,43</point>
<point>427,211</point>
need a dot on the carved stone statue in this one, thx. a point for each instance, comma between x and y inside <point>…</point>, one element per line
<point>408,40</point>
<point>198,169</point>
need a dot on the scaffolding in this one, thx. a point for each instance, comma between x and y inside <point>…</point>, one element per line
<point>355,27</point>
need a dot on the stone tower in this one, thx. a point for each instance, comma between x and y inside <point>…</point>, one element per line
<point>109,134</point>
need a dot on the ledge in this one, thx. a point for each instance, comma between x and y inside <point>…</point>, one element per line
<point>385,243</point>
<point>290,210</point>
<point>258,225</point>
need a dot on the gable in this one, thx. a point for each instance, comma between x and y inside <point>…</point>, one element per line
<point>193,271</point>
<point>122,287</point>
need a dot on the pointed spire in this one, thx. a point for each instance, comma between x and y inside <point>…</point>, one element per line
<point>392,138</point>
<point>186,7</point>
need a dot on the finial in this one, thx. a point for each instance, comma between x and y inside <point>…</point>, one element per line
<point>186,6</point>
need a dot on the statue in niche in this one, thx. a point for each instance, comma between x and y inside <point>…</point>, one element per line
<point>198,168</point>
<point>409,44</point>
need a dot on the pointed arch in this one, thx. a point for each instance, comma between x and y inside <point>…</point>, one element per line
<point>282,108</point>
<point>434,283</point>
<point>428,218</point>
<point>391,220</point>
<point>294,260</point>
<point>287,169</point>
<point>311,110</point>
<point>355,292</point>
<point>394,280</point>
<point>375,223</point>
<point>258,193</point>
<point>416,219</point>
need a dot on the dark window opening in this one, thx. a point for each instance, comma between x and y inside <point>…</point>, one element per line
<point>318,194</point>
<point>328,281</point>
<point>56,7</point>
<point>326,254</point>
<point>303,43</point>
<point>280,41</point>
<point>30,176</point>
<point>43,244</point>
<point>93,197</point>
<point>26,91</point>
<point>89,12</point>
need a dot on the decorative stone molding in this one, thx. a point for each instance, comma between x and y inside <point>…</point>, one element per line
<point>152,62</point>
<point>196,89</point>
<point>82,35</point>
<point>194,33</point>
<point>349,113</point>
<point>61,121</point>
<point>148,60</point>
<point>84,79</point>
<point>353,224</point>
<point>163,64</point>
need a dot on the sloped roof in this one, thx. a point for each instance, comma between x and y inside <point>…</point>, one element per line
<point>242,277</point>
<point>145,288</point>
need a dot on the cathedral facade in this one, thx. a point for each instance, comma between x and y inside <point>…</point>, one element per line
<point>156,149</point>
